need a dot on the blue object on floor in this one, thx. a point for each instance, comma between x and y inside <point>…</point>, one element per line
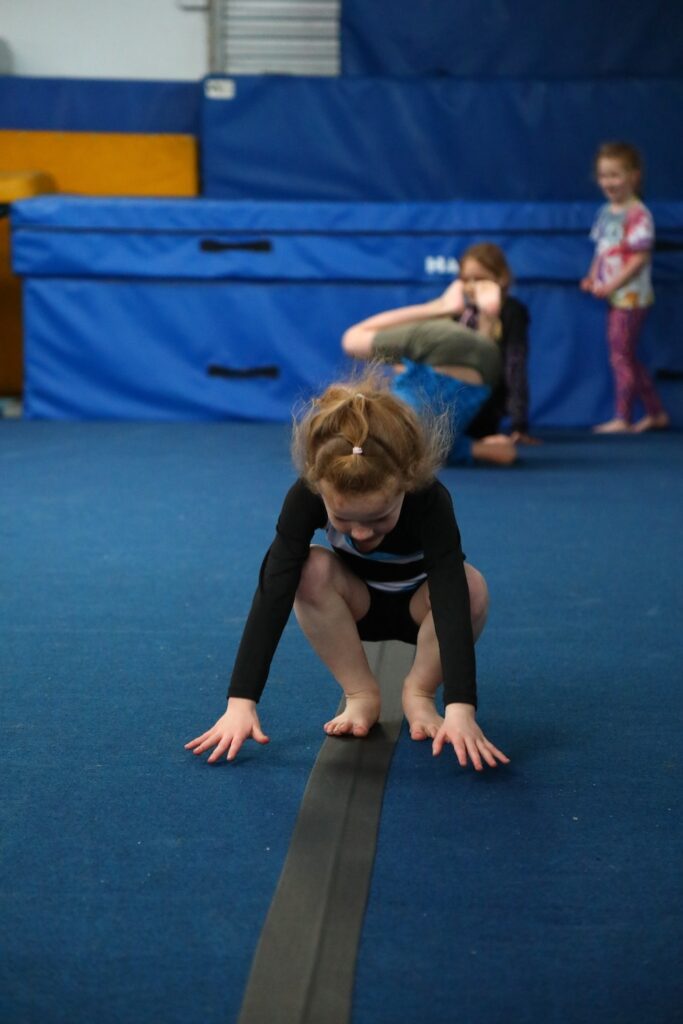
<point>426,390</point>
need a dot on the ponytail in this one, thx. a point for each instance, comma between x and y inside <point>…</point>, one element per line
<point>358,437</point>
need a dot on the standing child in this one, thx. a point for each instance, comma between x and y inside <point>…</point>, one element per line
<point>395,570</point>
<point>623,233</point>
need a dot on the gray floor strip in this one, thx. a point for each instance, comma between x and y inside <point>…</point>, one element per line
<point>304,964</point>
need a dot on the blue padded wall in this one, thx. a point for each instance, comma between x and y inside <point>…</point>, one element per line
<point>404,140</point>
<point>99,105</point>
<point>512,38</point>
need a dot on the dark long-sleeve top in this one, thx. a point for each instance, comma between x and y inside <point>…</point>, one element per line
<point>511,396</point>
<point>425,543</point>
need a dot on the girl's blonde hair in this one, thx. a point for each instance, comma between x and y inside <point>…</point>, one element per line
<point>358,437</point>
<point>492,258</point>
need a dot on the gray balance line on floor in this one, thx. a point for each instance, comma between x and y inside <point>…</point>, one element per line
<point>304,965</point>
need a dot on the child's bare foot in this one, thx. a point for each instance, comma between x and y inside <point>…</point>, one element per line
<point>659,422</point>
<point>453,299</point>
<point>496,448</point>
<point>487,297</point>
<point>423,718</point>
<point>615,426</point>
<point>358,717</point>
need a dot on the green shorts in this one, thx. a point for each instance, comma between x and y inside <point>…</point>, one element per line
<point>440,342</point>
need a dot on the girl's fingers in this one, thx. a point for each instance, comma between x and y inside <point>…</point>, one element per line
<point>210,740</point>
<point>439,740</point>
<point>221,747</point>
<point>487,753</point>
<point>221,742</point>
<point>460,752</point>
<point>472,748</point>
<point>499,754</point>
<point>237,742</point>
<point>473,751</point>
<point>196,740</point>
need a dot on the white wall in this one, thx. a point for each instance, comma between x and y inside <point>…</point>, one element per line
<point>105,38</point>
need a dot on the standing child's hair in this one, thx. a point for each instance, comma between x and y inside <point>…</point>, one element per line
<point>492,258</point>
<point>626,153</point>
<point>358,437</point>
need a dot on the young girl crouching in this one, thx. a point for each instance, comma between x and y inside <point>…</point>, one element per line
<point>394,571</point>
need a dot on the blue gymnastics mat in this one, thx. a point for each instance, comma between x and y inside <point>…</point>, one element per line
<point>194,309</point>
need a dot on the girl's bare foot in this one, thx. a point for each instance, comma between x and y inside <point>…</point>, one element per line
<point>423,718</point>
<point>659,422</point>
<point>496,448</point>
<point>358,717</point>
<point>615,426</point>
<point>453,299</point>
<point>487,297</point>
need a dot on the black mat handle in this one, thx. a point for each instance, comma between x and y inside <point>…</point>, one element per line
<point>235,373</point>
<point>215,245</point>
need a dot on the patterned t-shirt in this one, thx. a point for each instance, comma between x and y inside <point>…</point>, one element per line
<point>617,235</point>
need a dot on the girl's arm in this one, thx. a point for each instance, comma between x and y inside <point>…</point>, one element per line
<point>449,303</point>
<point>403,315</point>
<point>357,340</point>
<point>449,598</point>
<point>302,513</point>
<point>586,283</point>
<point>635,262</point>
<point>515,341</point>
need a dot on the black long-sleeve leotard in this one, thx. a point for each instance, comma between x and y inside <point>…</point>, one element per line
<point>426,530</point>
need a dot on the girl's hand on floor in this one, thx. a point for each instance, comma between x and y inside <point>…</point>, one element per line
<point>239,723</point>
<point>469,743</point>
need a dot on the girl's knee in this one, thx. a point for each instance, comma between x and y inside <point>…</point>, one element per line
<point>316,576</point>
<point>479,598</point>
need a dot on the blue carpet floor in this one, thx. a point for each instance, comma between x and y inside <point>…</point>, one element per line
<point>136,878</point>
<point>550,891</point>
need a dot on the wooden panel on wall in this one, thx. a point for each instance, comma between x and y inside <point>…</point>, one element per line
<point>106,163</point>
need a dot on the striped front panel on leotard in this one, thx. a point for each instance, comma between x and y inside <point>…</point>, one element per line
<point>383,570</point>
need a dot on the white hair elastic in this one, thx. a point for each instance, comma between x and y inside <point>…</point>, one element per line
<point>357,450</point>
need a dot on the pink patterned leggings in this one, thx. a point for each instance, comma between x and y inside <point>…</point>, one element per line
<point>631,379</point>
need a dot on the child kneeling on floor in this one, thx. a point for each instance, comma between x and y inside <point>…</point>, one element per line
<point>394,571</point>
